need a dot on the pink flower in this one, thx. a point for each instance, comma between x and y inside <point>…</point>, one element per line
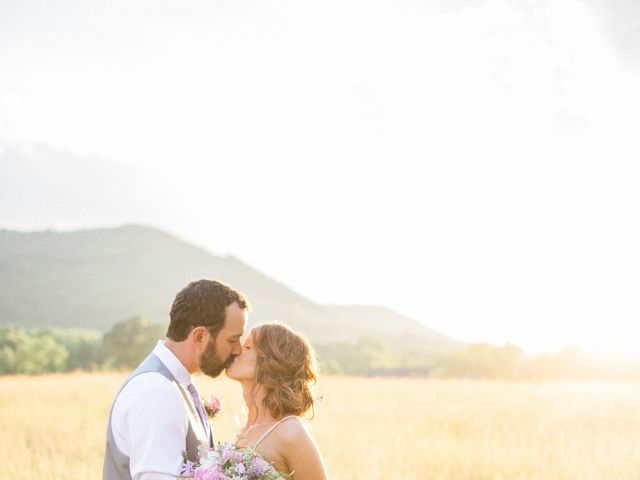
<point>214,403</point>
<point>213,406</point>
<point>210,473</point>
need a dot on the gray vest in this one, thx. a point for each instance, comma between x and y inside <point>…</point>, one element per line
<point>116,464</point>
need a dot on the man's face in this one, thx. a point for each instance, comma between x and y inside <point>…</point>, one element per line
<point>221,350</point>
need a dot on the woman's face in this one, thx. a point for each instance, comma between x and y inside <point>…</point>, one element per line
<point>244,365</point>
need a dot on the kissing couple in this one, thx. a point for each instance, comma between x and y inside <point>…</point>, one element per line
<point>158,423</point>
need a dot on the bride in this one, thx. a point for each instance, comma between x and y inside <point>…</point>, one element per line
<point>277,369</point>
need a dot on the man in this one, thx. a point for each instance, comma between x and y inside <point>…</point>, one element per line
<point>157,414</point>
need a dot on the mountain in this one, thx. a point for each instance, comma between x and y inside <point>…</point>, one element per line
<point>399,331</point>
<point>93,279</point>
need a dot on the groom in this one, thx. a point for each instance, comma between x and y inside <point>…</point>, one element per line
<point>157,414</point>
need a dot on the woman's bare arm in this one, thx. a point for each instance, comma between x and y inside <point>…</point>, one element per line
<point>302,454</point>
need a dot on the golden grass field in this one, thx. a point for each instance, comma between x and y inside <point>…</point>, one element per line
<point>53,427</point>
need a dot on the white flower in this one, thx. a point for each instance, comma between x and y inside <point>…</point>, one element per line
<point>209,458</point>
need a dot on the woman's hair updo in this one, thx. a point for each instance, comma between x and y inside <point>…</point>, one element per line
<point>286,368</point>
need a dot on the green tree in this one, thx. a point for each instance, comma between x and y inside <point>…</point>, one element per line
<point>84,347</point>
<point>367,355</point>
<point>129,342</point>
<point>25,352</point>
<point>7,360</point>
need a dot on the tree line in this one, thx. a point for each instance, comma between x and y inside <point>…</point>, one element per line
<point>369,356</point>
<point>62,350</point>
<point>128,342</point>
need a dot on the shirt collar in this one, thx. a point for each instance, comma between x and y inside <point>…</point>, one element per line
<point>175,366</point>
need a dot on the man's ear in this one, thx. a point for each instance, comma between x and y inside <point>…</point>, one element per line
<point>199,335</point>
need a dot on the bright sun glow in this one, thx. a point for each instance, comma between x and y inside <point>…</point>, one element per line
<point>474,168</point>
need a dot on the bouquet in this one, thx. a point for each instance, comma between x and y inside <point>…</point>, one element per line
<point>225,461</point>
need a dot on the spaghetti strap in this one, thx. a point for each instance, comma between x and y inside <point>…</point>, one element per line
<point>270,429</point>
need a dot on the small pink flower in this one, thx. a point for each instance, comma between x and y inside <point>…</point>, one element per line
<point>210,473</point>
<point>215,403</point>
<point>213,406</point>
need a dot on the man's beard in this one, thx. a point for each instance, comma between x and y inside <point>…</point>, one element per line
<point>211,364</point>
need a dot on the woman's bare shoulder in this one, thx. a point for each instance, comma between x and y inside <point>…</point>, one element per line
<point>293,430</point>
<point>299,451</point>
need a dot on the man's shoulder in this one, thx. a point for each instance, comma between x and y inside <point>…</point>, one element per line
<point>147,384</point>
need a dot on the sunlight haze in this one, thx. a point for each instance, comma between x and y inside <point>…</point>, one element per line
<point>471,164</point>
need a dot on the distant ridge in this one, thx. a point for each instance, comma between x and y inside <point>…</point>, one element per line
<point>96,278</point>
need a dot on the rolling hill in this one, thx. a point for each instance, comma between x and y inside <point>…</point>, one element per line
<point>93,279</point>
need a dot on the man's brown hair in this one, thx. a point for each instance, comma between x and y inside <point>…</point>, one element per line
<point>202,303</point>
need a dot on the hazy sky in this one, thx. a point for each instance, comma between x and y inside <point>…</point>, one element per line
<point>471,164</point>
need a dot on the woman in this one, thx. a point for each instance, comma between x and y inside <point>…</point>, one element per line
<point>277,369</point>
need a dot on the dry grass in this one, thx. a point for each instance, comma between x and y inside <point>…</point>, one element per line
<point>53,427</point>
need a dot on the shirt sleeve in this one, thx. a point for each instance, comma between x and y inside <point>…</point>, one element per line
<point>156,424</point>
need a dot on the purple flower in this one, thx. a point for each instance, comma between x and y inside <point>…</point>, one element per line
<point>239,457</point>
<point>240,468</point>
<point>188,468</point>
<point>227,452</point>
<point>259,467</point>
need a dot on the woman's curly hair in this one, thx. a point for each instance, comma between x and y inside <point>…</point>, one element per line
<point>286,368</point>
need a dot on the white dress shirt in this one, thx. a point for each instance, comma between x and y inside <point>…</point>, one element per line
<point>150,420</point>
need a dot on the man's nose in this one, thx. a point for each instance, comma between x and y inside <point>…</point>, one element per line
<point>237,349</point>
